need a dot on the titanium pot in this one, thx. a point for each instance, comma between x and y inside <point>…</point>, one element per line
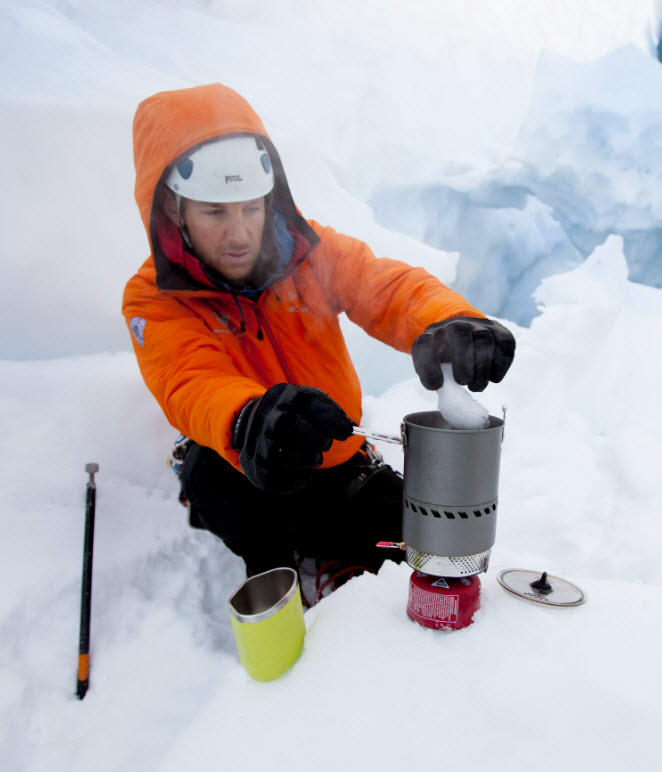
<point>451,482</point>
<point>267,622</point>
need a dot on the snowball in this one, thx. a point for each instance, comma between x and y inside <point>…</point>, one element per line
<point>457,406</point>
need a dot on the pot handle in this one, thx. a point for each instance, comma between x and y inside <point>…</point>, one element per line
<point>377,436</point>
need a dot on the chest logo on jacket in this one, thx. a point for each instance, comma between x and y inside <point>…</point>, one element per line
<point>229,327</point>
<point>295,306</point>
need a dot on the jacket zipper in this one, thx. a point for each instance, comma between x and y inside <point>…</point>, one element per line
<point>263,324</point>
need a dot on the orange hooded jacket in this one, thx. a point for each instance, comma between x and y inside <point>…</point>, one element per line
<point>204,350</point>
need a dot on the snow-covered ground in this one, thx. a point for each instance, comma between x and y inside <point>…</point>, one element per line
<point>524,138</point>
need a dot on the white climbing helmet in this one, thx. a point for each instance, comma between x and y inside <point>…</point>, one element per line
<point>223,171</point>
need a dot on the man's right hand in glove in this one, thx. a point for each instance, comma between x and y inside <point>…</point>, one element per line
<point>281,436</point>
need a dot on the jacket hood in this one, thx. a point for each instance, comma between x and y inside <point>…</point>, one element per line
<point>168,124</point>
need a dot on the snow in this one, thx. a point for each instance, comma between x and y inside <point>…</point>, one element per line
<point>457,406</point>
<point>513,150</point>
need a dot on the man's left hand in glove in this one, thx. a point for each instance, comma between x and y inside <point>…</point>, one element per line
<point>480,350</point>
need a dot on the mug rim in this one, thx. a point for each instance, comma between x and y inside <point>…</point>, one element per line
<point>260,616</point>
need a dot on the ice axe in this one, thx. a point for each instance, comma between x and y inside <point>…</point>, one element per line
<point>86,590</point>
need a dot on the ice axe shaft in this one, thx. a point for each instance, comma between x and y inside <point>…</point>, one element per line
<point>86,585</point>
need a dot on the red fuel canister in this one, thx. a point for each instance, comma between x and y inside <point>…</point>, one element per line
<point>443,603</point>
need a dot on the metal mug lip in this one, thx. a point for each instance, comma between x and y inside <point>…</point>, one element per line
<point>268,592</point>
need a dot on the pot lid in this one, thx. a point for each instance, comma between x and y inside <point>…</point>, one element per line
<point>541,588</point>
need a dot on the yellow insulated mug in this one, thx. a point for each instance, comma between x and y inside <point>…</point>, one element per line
<point>267,621</point>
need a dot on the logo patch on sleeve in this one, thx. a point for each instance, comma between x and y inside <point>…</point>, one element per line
<point>137,325</point>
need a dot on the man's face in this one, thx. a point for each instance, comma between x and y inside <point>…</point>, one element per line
<point>226,237</point>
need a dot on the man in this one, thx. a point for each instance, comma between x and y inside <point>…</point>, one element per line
<point>234,321</point>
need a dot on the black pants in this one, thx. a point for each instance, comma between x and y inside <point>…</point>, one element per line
<point>340,516</point>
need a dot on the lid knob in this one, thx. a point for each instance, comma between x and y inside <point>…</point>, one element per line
<point>542,585</point>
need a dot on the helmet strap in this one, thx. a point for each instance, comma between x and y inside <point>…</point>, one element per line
<point>180,220</point>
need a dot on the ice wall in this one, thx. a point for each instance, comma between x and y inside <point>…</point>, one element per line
<point>587,163</point>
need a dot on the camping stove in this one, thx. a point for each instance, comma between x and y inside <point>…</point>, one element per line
<point>449,510</point>
<point>451,481</point>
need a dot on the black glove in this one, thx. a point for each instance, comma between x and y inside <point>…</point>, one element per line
<point>283,434</point>
<point>480,350</point>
